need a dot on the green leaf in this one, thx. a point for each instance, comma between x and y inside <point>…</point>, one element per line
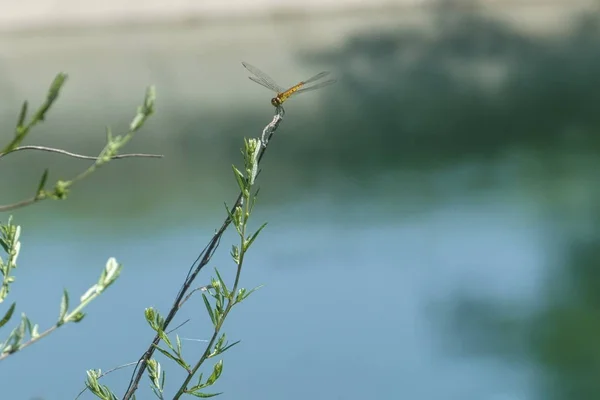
<point>220,341</point>
<point>110,273</point>
<point>153,367</point>
<point>204,395</point>
<point>178,360</point>
<point>28,325</point>
<point>162,380</point>
<point>77,317</point>
<point>235,254</point>
<point>91,292</point>
<point>155,391</point>
<point>165,338</point>
<point>224,349</point>
<point>200,384</point>
<point>15,338</point>
<point>248,243</point>
<point>222,283</point>
<point>64,307</point>
<point>243,294</point>
<point>219,303</point>
<point>42,184</point>
<point>149,314</point>
<point>23,325</point>
<point>92,379</point>
<point>6,240</point>
<point>52,95</point>
<point>178,342</point>
<point>239,177</point>
<point>217,370</point>
<point>35,332</point>
<point>166,353</point>
<point>209,309</point>
<point>8,315</point>
<point>22,115</point>
<point>145,110</point>
<point>234,216</point>
<point>101,391</point>
<point>218,348</point>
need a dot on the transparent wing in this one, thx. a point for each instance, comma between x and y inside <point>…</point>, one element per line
<point>316,86</point>
<point>262,78</point>
<point>262,84</point>
<point>316,77</point>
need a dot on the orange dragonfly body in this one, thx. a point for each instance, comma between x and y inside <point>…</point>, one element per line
<point>283,94</point>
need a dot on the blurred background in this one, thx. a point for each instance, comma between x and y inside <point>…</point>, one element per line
<point>433,216</point>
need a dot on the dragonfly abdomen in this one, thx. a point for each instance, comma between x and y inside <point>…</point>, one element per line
<point>283,96</point>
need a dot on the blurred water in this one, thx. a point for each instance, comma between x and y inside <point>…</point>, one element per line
<point>432,218</point>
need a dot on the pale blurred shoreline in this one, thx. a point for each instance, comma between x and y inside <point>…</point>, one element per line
<point>194,58</point>
<point>60,16</point>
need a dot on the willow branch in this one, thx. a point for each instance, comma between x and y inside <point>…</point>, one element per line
<point>203,259</point>
<point>79,156</point>
<point>19,204</point>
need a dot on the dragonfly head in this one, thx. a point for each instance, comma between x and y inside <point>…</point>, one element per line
<point>276,101</point>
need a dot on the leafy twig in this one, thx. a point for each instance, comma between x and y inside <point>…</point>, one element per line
<point>79,156</point>
<point>23,128</point>
<point>97,374</point>
<point>15,343</point>
<point>108,153</point>
<point>203,259</point>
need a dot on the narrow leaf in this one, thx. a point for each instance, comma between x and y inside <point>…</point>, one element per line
<point>165,338</point>
<point>178,342</point>
<point>239,177</point>
<point>242,296</point>
<point>22,115</point>
<point>77,317</point>
<point>217,369</point>
<point>42,184</point>
<point>224,349</point>
<point>249,242</point>
<point>178,360</point>
<point>209,309</point>
<point>204,395</point>
<point>8,315</point>
<point>223,285</point>
<point>64,307</point>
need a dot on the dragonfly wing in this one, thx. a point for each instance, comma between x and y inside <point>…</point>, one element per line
<point>264,79</point>
<point>261,83</point>
<point>316,86</point>
<point>316,77</point>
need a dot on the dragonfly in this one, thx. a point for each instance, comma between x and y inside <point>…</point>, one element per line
<point>282,93</point>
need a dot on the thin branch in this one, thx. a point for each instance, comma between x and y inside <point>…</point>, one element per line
<point>32,341</point>
<point>178,326</point>
<point>203,259</point>
<point>19,204</point>
<point>202,289</point>
<point>79,156</point>
<point>230,302</point>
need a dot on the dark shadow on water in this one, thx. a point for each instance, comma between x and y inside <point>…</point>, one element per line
<point>559,337</point>
<point>473,91</point>
<point>468,90</point>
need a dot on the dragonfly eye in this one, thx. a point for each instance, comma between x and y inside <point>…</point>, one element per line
<point>275,101</point>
